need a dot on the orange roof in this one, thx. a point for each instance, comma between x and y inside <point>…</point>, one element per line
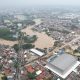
<point>7,71</point>
<point>30,69</point>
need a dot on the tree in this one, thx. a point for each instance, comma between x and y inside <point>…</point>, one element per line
<point>57,43</point>
<point>75,51</point>
<point>16,64</point>
<point>1,66</point>
<point>31,75</point>
<point>5,33</point>
<point>30,39</point>
<point>4,77</point>
<point>27,46</point>
<point>16,47</point>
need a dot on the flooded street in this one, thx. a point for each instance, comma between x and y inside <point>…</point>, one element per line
<point>6,42</point>
<point>43,41</point>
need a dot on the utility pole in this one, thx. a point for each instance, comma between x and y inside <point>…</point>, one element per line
<point>20,57</point>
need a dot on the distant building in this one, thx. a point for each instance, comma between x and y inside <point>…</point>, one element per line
<point>2,26</point>
<point>62,65</point>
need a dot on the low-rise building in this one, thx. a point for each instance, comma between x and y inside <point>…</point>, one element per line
<point>35,51</point>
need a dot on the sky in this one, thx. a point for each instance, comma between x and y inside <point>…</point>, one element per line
<point>4,3</point>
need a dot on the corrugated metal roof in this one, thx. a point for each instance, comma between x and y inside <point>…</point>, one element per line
<point>64,61</point>
<point>37,52</point>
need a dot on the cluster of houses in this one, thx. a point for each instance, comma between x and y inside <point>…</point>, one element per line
<point>60,64</point>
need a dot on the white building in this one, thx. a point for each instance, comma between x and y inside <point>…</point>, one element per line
<point>35,51</point>
<point>62,65</point>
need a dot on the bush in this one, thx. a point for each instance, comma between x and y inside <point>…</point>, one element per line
<point>25,46</point>
<point>4,78</point>
<point>16,64</point>
<point>28,46</point>
<point>29,39</point>
<point>16,47</point>
<point>31,75</point>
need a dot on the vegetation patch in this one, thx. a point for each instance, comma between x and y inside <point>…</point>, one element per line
<point>6,34</point>
<point>30,39</point>
<point>25,46</point>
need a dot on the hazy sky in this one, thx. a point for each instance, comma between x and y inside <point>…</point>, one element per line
<point>38,2</point>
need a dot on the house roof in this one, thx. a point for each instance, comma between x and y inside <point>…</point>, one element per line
<point>30,69</point>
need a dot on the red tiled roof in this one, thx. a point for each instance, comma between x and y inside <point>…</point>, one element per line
<point>30,69</point>
<point>41,76</point>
